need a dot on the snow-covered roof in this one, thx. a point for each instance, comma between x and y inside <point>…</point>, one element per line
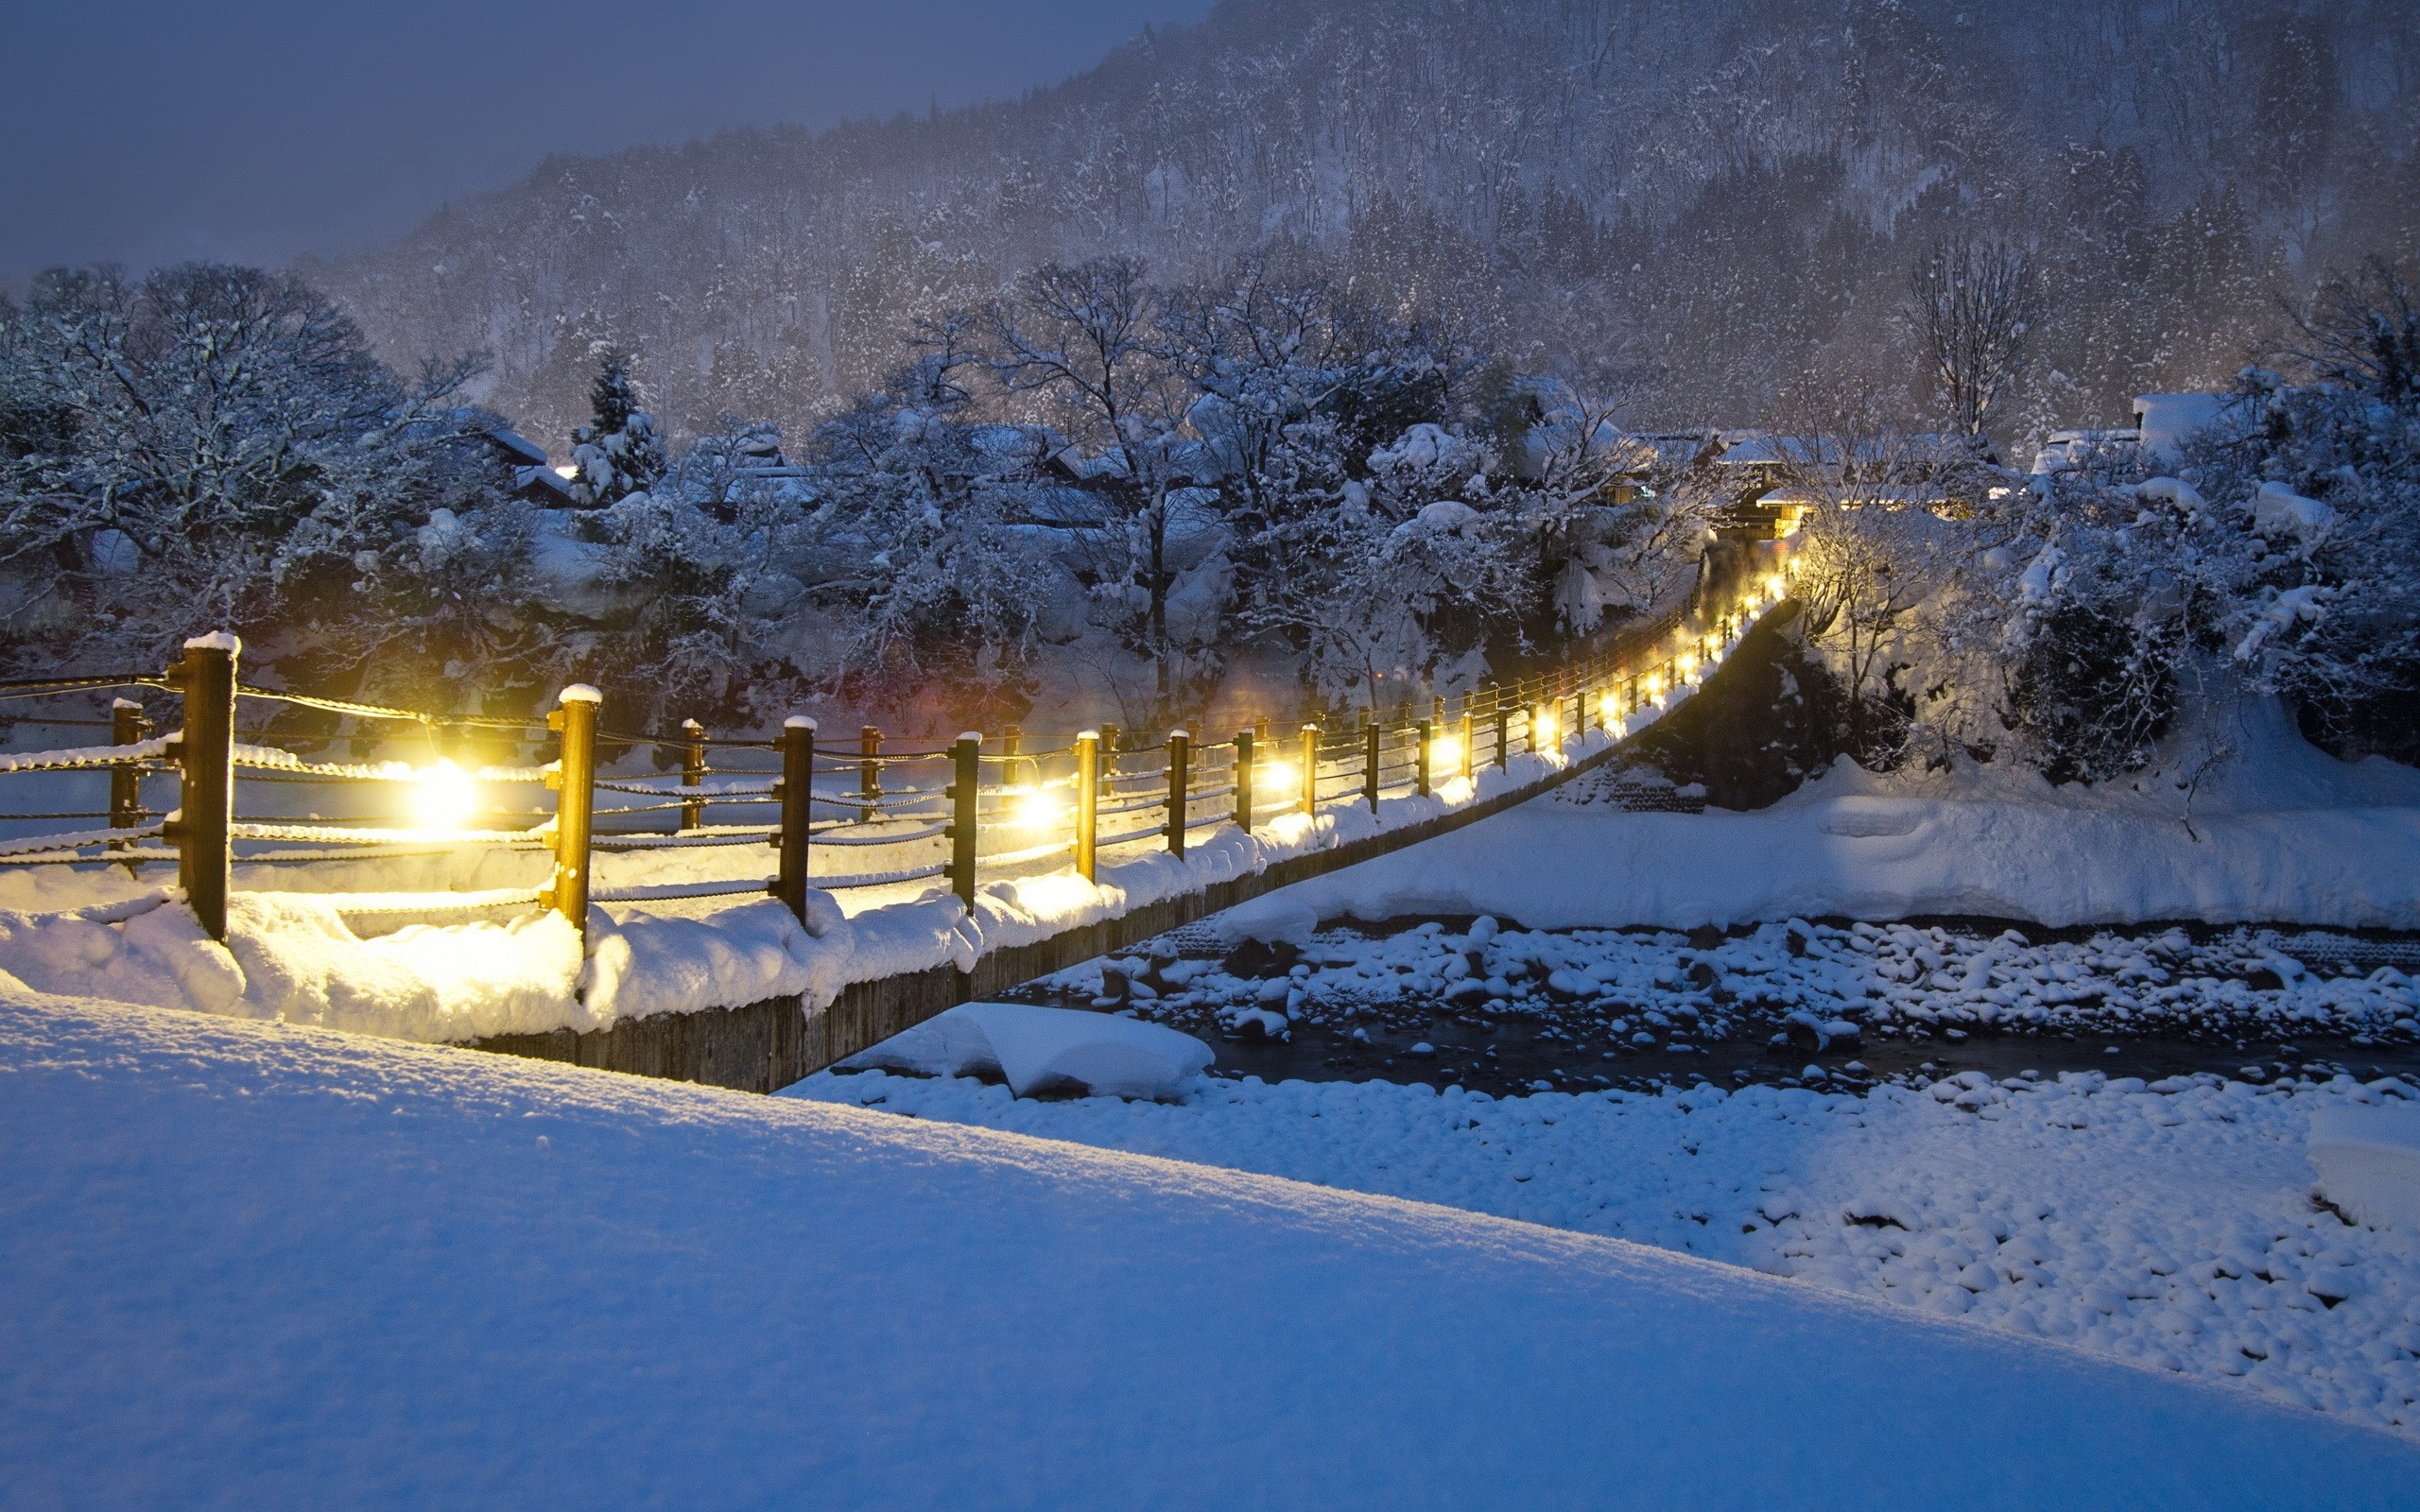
<point>2165,419</point>
<point>519,446</point>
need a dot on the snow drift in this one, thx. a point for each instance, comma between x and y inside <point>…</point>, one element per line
<point>1038,1049</point>
<point>254,1264</point>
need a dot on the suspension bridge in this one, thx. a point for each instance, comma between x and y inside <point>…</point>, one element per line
<point>572,815</point>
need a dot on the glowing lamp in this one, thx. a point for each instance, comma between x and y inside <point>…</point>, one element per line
<point>1039,809</point>
<point>445,797</point>
<point>1445,752</point>
<point>1545,729</point>
<point>1609,710</point>
<point>1686,662</point>
<point>1279,777</point>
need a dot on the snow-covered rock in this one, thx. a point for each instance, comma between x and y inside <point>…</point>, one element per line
<point>2369,1162</point>
<point>1038,1049</point>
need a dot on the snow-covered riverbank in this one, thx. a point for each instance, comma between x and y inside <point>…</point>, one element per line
<point>2170,1226</point>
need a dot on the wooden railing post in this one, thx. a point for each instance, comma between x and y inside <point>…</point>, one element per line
<point>1421,736</point>
<point>1012,746</point>
<point>693,772</point>
<point>1088,802</point>
<point>206,763</point>
<point>869,774</point>
<point>1243,780</point>
<point>796,789</point>
<point>966,795</point>
<point>1311,770</point>
<point>1372,735</point>
<point>1503,725</point>
<point>1470,761</point>
<point>1179,745</point>
<point>574,783</point>
<point>128,727</point>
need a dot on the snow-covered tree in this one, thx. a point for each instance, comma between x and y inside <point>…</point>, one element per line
<point>618,452</point>
<point>212,445</point>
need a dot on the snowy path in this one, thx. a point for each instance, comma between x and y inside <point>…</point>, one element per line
<point>2174,1228</point>
<point>251,1264</point>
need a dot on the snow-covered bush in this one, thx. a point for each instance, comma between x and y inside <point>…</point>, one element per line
<point>217,446</point>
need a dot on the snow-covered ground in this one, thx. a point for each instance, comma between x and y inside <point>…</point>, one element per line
<point>2279,833</point>
<point>2172,1225</point>
<point>257,1264</point>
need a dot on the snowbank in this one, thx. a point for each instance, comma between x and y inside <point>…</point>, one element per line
<point>252,1265</point>
<point>1038,1049</point>
<point>2369,1162</point>
<point>2282,833</point>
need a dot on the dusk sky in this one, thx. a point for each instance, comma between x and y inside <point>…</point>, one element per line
<point>145,131</point>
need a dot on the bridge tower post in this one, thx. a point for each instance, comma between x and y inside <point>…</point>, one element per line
<point>206,763</point>
<point>869,774</point>
<point>1088,802</point>
<point>1244,770</point>
<point>693,772</point>
<point>575,780</point>
<point>1179,802</point>
<point>796,789</point>
<point>966,796</point>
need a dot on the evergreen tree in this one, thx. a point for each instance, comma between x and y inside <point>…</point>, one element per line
<point>618,453</point>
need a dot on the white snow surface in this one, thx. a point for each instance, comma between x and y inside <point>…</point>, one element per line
<point>2369,1162</point>
<point>2170,1225</point>
<point>257,1264</point>
<point>2279,833</point>
<point>1038,1049</point>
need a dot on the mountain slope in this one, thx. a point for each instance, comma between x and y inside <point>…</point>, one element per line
<point>1714,196</point>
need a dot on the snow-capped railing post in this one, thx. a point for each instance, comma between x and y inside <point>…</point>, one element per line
<point>1311,769</point>
<point>796,789</point>
<point>206,763</point>
<point>1243,780</point>
<point>1469,756</point>
<point>966,799</point>
<point>1372,733</point>
<point>1503,724</point>
<point>128,727</point>
<point>575,786</point>
<point>1088,802</point>
<point>1420,738</point>
<point>1180,790</point>
<point>693,772</point>
<point>869,774</point>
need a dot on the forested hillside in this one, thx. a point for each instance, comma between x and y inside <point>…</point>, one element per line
<point>1711,195</point>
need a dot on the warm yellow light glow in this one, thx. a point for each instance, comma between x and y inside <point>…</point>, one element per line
<point>445,798</point>
<point>1279,777</point>
<point>1773,586</point>
<point>1609,708</point>
<point>1445,753</point>
<point>1039,809</point>
<point>1686,662</point>
<point>1546,729</point>
<point>1653,683</point>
